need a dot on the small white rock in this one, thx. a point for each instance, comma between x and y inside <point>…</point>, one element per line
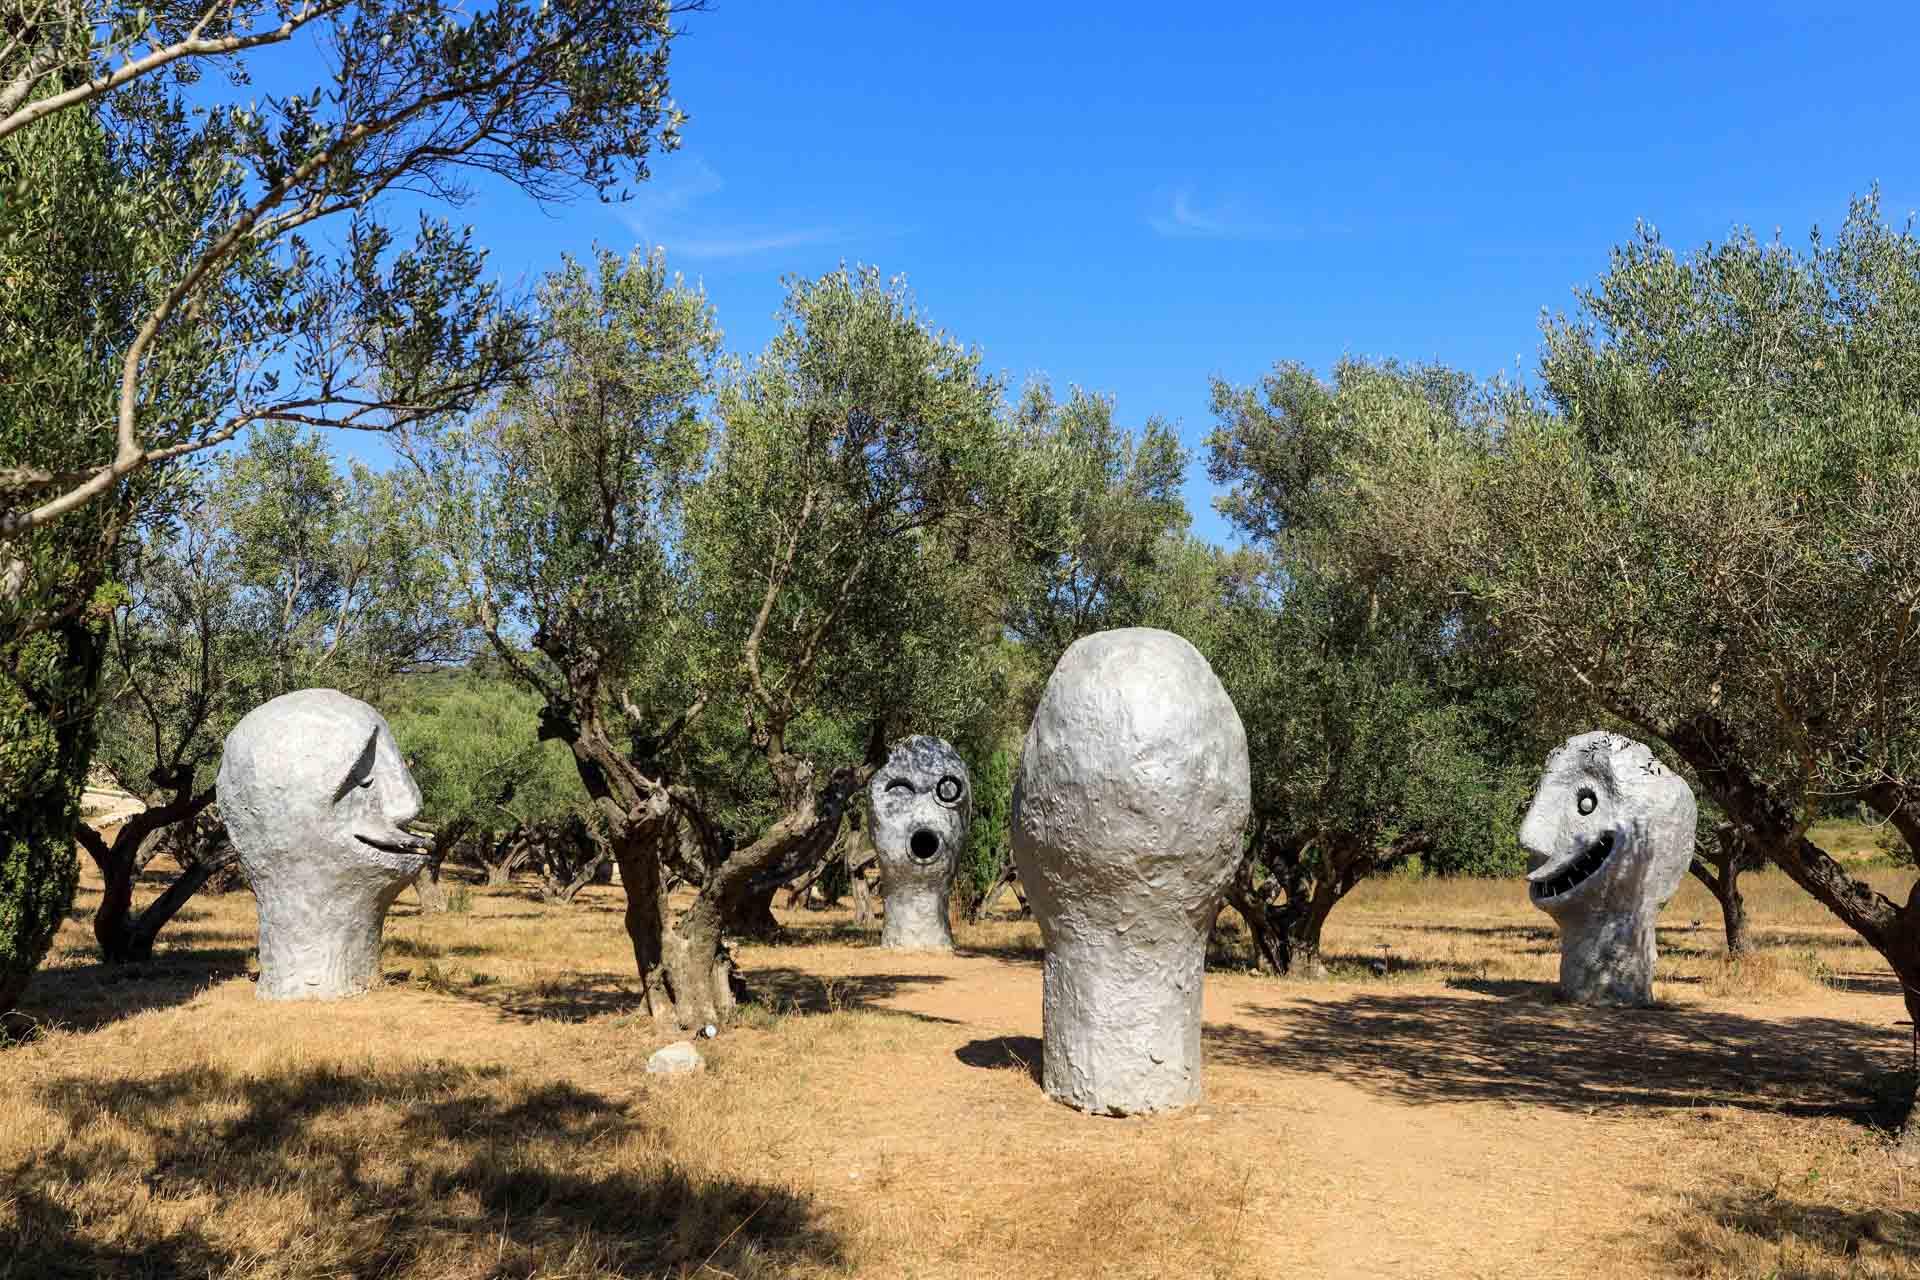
<point>676,1058</point>
<point>709,1031</point>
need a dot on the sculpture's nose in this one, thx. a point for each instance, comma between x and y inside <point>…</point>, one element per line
<point>925,845</point>
<point>1537,837</point>
<point>401,801</point>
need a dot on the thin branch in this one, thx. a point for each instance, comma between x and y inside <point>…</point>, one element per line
<point>14,117</point>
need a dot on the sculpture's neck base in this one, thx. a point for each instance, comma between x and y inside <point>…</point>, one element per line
<point>1607,959</point>
<point>326,950</point>
<point>916,919</point>
<point>1121,1021</point>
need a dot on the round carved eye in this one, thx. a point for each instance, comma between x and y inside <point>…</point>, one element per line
<point>1588,801</point>
<point>948,789</point>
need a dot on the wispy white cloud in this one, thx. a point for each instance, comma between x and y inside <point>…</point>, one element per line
<point>668,212</point>
<point>1184,217</point>
<point>740,245</point>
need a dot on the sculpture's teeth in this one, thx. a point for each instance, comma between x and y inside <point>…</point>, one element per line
<point>1578,871</point>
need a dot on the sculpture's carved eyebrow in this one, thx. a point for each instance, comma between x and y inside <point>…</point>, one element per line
<point>362,768</point>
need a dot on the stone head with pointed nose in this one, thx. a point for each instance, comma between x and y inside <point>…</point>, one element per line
<point>922,803</point>
<point>315,797</point>
<point>1608,837</point>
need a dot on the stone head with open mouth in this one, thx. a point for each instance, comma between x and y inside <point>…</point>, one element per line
<point>922,803</point>
<point>1609,837</point>
<point>316,799</point>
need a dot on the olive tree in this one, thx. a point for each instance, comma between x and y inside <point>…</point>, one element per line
<point>1721,854</point>
<point>1105,501</point>
<point>488,781</point>
<point>842,546</point>
<point>798,569</point>
<point>182,671</point>
<point>1375,733</point>
<point>559,507</point>
<point>1710,529</point>
<point>282,572</point>
<point>167,287</point>
<point>80,242</point>
<point>422,98</point>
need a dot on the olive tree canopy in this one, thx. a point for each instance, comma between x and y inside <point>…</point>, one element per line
<point>1709,529</point>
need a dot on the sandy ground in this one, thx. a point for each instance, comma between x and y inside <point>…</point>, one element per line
<point>1430,1129</point>
<point>1450,1119</point>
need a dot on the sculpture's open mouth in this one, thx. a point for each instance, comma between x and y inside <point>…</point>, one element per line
<point>925,846</point>
<point>1569,876</point>
<point>412,848</point>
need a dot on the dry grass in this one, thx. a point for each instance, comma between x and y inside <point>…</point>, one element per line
<point>487,1114</point>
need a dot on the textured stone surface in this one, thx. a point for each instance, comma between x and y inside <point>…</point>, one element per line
<point>314,793</point>
<point>922,804</point>
<point>1608,837</point>
<point>675,1059</point>
<point>1127,819</point>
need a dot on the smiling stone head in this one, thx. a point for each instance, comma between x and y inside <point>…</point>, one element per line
<point>315,795</point>
<point>922,802</point>
<point>1609,837</point>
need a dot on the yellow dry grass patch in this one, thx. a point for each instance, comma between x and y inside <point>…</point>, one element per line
<point>487,1114</point>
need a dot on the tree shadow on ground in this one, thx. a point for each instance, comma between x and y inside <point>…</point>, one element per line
<point>1840,940</point>
<point>1003,1053</point>
<point>799,991</point>
<point>580,997</point>
<point>573,997</point>
<point>421,1171</point>
<point>1360,966</point>
<point>814,933</point>
<point>1865,983</point>
<point>425,949</point>
<point>604,899</point>
<point>1015,952</point>
<point>1530,1050</point>
<point>86,997</point>
<point>1828,1241</point>
<point>1522,932</point>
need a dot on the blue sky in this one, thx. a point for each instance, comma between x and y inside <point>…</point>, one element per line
<point>1136,197</point>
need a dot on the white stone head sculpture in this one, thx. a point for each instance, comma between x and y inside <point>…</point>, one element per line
<point>314,793</point>
<point>1609,836</point>
<point>1127,819</point>
<point>922,803</point>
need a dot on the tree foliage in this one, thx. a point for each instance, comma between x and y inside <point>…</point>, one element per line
<point>489,783</point>
<point>79,244</point>
<point>768,606</point>
<point>421,98</point>
<point>1710,529</point>
<point>281,573</point>
<point>166,288</point>
<point>1103,504</point>
<point>1376,733</point>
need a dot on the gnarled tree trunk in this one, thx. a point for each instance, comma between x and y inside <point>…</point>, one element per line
<point>570,857</point>
<point>686,969</point>
<point>1286,933</point>
<point>1770,825</point>
<point>1009,878</point>
<point>1719,870</point>
<point>125,937</point>
<point>433,895</point>
<point>503,856</point>
<point>754,915</point>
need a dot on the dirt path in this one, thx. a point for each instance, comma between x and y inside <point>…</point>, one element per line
<point>490,1105</point>
<point>1446,1131</point>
